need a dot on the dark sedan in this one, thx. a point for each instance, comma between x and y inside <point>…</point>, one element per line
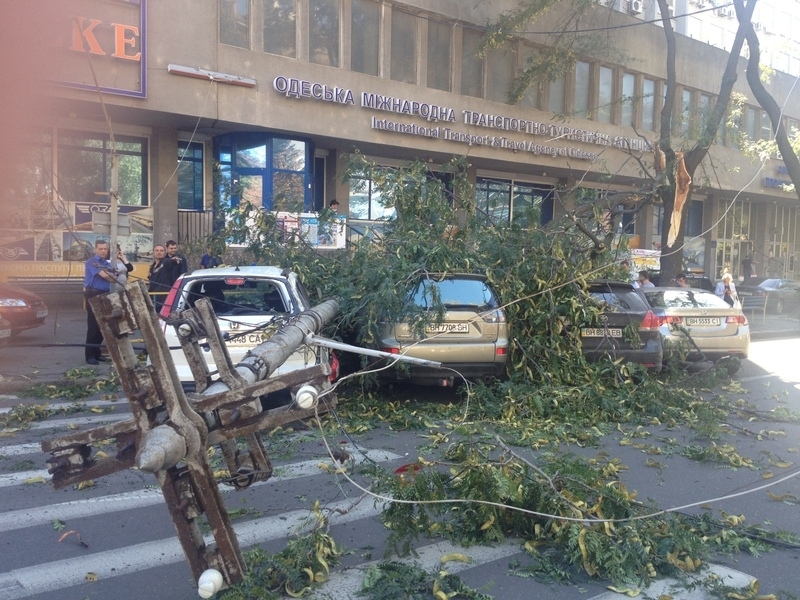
<point>626,327</point>
<point>778,295</point>
<point>21,308</point>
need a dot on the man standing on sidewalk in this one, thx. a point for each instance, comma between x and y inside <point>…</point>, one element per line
<point>97,280</point>
<point>177,258</point>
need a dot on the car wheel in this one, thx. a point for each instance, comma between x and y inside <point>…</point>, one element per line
<point>779,307</point>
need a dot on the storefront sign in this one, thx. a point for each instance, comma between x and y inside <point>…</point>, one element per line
<point>106,50</point>
<point>435,114</point>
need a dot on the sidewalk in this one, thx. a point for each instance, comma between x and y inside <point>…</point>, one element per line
<point>43,355</point>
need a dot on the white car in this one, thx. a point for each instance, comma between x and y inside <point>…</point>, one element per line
<point>250,304</point>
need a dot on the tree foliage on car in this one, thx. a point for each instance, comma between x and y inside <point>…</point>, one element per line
<point>551,395</point>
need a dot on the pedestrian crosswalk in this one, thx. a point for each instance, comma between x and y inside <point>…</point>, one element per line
<point>34,516</point>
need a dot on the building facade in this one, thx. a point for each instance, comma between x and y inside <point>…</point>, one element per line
<point>171,103</point>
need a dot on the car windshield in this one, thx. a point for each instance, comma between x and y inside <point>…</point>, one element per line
<point>240,297</point>
<point>454,293</point>
<point>684,299</point>
<point>770,284</point>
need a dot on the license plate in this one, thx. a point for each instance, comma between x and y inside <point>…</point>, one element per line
<point>246,340</point>
<point>4,333</point>
<point>702,321</point>
<point>448,328</point>
<point>40,314</point>
<point>599,332</point>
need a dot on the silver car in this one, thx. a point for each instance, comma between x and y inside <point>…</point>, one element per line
<point>471,340</point>
<point>716,329</point>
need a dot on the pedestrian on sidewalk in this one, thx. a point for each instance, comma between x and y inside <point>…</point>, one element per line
<point>97,280</point>
<point>176,257</point>
<point>162,274</point>
<point>726,289</point>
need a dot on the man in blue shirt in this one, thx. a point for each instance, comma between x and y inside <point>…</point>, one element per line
<point>97,280</point>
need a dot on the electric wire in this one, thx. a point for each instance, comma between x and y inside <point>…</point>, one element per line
<point>588,520</point>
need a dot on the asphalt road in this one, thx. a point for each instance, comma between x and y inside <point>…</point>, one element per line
<point>131,549</point>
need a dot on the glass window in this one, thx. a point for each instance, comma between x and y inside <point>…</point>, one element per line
<point>253,156</point>
<point>502,201</point>
<point>686,112</point>
<point>493,200</point>
<point>766,126</point>
<point>365,38</point>
<point>234,22</point>
<point>190,176</point>
<point>323,32</point>
<point>289,176</point>
<point>365,201</point>
<point>751,122</point>
<point>266,171</point>
<point>280,17</point>
<point>605,95</point>
<point>658,222</point>
<point>649,104</point>
<point>557,95</point>
<point>404,47</point>
<point>288,154</point>
<point>582,81</point>
<point>705,108</point>
<point>439,55</point>
<point>471,63</point>
<point>84,167</point>
<point>628,92</point>
<point>531,95</point>
<point>500,71</point>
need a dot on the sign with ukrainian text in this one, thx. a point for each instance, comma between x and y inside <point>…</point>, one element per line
<point>505,132</point>
<point>103,47</point>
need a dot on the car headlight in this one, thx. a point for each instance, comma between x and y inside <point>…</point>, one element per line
<point>12,303</point>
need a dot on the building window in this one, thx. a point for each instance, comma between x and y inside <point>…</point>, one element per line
<point>266,171</point>
<point>557,95</point>
<point>582,88</point>
<point>686,113</point>
<point>500,72</point>
<point>439,41</point>
<point>234,22</point>
<point>84,168</point>
<point>605,95</point>
<point>649,104</point>
<point>628,92</point>
<point>190,176</point>
<point>502,202</point>
<point>658,223</point>
<point>733,236</point>
<point>365,38</point>
<point>280,17</point>
<point>766,126</point>
<point>751,123</point>
<point>705,109</point>
<point>323,32</point>
<point>365,201</point>
<point>530,96</point>
<point>471,63</point>
<point>404,47</point>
